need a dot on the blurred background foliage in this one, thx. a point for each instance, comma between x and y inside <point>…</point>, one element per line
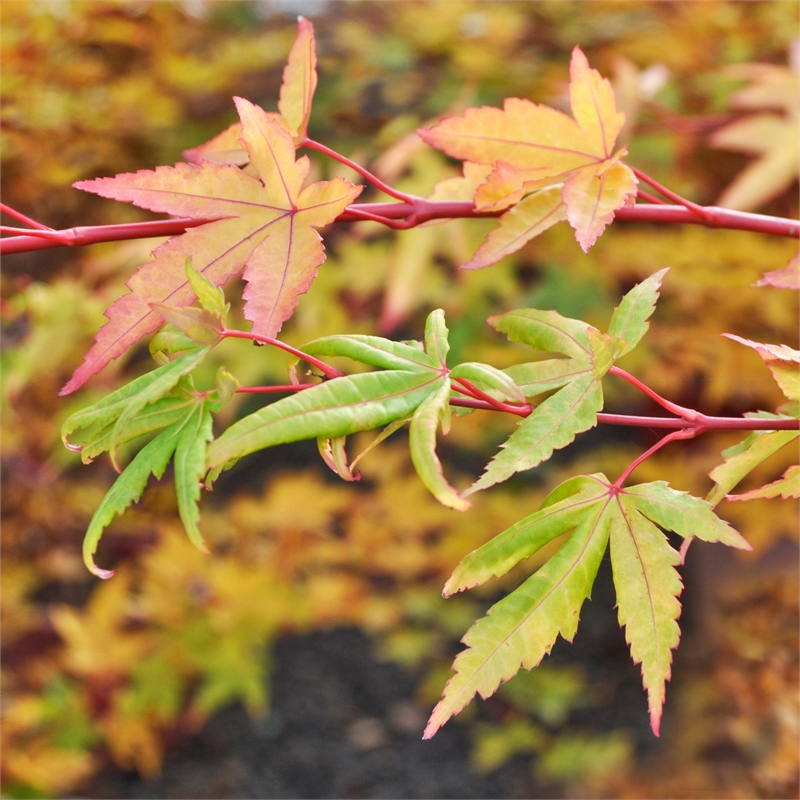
<point>113,673</point>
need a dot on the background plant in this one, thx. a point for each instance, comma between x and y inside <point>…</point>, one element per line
<point>564,244</point>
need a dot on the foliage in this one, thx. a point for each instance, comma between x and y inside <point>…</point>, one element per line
<point>390,383</point>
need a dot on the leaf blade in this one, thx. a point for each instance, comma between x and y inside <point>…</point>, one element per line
<point>190,462</point>
<point>545,330</point>
<point>592,196</point>
<point>524,538</point>
<point>520,629</point>
<point>338,407</point>
<point>681,512</point>
<point>299,81</point>
<point>629,321</point>
<point>527,219</point>
<point>128,487</point>
<point>552,425</point>
<point>373,350</point>
<point>647,586</point>
<point>422,445</point>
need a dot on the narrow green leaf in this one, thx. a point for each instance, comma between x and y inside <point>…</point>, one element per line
<point>630,319</point>
<point>536,377</point>
<point>647,586</point>
<point>681,512</point>
<point>372,350</point>
<point>128,487</point>
<point>337,407</point>
<point>168,377</point>
<point>422,444</point>
<point>489,379</point>
<point>190,466</point>
<point>552,425</point>
<point>522,628</point>
<point>744,457</point>
<point>436,344</point>
<point>785,487</point>
<point>157,415</point>
<point>111,406</point>
<point>210,297</point>
<point>561,511</point>
<point>544,330</point>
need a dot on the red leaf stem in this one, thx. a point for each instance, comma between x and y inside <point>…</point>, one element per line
<point>520,411</point>
<point>686,433</point>
<point>687,413</point>
<point>363,171</point>
<point>650,198</point>
<point>669,194</point>
<point>288,387</point>
<point>20,217</point>
<point>325,369</point>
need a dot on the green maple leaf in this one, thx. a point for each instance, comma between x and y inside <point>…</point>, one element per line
<point>165,398</point>
<point>523,627</point>
<point>413,384</point>
<point>588,355</point>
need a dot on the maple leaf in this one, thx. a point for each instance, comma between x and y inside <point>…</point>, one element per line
<point>783,361</point>
<point>769,136</point>
<point>299,81</point>
<point>742,458</point>
<point>573,409</point>
<point>263,227</point>
<point>570,164</point>
<point>522,628</point>
<point>787,486</point>
<point>787,277</point>
<point>413,384</point>
<point>187,430</point>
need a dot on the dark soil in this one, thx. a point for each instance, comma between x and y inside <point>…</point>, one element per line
<point>343,724</point>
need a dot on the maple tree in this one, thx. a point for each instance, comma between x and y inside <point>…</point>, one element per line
<point>243,207</point>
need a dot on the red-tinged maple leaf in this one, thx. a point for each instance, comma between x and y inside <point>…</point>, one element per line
<point>263,225</point>
<point>533,148</point>
<point>299,81</point>
<point>294,104</point>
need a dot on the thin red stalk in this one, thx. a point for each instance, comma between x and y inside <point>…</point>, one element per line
<point>497,404</point>
<point>363,171</point>
<point>358,214</point>
<point>325,369</point>
<point>413,214</point>
<point>288,387</point>
<point>669,194</point>
<point>650,198</point>
<point>687,433</point>
<point>20,217</point>
<point>44,233</point>
<point>704,424</point>
<point>674,408</point>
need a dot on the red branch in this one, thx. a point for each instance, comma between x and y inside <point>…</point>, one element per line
<point>399,215</point>
<point>702,424</point>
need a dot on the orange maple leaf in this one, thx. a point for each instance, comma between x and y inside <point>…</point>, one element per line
<point>534,149</point>
<point>263,225</point>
